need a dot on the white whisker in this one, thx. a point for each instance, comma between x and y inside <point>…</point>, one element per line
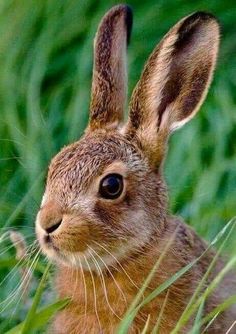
<point>106,266</point>
<point>104,284</point>
<point>85,289</point>
<point>22,262</point>
<point>118,262</point>
<point>14,293</point>
<point>231,327</point>
<point>26,280</point>
<point>94,293</point>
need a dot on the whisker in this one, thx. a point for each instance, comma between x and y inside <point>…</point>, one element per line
<point>118,262</point>
<point>156,328</point>
<point>115,281</point>
<point>22,262</point>
<point>94,293</point>
<point>103,283</point>
<point>85,288</point>
<point>76,273</point>
<point>76,279</point>
<point>210,322</point>
<point>7,248</point>
<point>26,281</point>
<point>19,286</point>
<point>231,327</point>
<point>17,228</point>
<point>4,236</point>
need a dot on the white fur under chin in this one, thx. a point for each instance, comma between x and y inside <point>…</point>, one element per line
<point>91,258</point>
<point>96,261</point>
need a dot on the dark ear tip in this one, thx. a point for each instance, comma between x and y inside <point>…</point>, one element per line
<point>194,20</point>
<point>123,12</point>
<point>127,11</point>
<point>128,21</point>
<point>201,17</point>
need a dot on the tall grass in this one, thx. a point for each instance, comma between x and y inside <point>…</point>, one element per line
<point>45,78</point>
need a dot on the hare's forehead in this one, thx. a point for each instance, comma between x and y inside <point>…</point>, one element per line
<point>78,164</point>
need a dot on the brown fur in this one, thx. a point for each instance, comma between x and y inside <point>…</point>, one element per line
<point>105,248</point>
<point>109,72</point>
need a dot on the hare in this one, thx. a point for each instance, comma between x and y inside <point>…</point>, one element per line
<point>104,217</point>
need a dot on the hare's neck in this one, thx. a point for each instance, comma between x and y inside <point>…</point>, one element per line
<point>106,295</point>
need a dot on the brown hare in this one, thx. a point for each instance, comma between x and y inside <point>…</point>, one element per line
<point>104,217</point>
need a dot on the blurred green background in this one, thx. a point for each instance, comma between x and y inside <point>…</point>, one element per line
<point>45,78</point>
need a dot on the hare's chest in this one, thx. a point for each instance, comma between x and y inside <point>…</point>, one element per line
<point>99,303</point>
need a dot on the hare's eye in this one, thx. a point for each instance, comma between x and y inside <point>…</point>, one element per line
<point>111,186</point>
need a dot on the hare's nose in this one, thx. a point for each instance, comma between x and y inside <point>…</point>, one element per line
<point>50,217</point>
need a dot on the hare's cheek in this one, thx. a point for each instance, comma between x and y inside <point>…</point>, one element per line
<point>109,214</point>
<point>72,239</point>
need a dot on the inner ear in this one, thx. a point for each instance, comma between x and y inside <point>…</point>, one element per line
<point>174,83</point>
<point>190,73</point>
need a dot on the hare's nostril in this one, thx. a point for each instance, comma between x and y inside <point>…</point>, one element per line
<point>53,227</point>
<point>47,238</point>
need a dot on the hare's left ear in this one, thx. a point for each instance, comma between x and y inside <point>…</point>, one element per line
<point>174,83</point>
<point>108,95</point>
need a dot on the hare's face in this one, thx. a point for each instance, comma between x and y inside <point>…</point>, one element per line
<point>104,197</point>
<point>100,194</point>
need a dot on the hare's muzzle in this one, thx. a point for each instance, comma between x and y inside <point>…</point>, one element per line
<point>59,231</point>
<point>50,217</point>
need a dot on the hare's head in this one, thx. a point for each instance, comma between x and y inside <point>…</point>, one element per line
<point>105,192</point>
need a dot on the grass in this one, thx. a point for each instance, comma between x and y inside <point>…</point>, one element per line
<point>45,78</point>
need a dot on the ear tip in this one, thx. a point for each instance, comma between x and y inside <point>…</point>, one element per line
<point>202,17</point>
<point>118,12</point>
<point>198,20</point>
<point>128,21</point>
<point>214,23</point>
<point>128,17</point>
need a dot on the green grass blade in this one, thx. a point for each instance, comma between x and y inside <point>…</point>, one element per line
<point>42,317</point>
<point>182,271</point>
<point>218,309</point>
<point>197,322</point>
<point>129,317</point>
<point>213,285</point>
<point>189,308</point>
<point>132,310</point>
<point>231,264</point>
<point>158,323</point>
<point>30,318</point>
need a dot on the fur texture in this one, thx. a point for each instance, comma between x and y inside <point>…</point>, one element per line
<point>105,248</point>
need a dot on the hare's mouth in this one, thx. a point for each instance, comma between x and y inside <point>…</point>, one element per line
<point>50,244</point>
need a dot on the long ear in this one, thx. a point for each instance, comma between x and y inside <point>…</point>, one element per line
<point>174,83</point>
<point>109,72</point>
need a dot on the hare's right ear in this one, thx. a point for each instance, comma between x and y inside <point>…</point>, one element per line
<point>109,86</point>
<point>174,83</point>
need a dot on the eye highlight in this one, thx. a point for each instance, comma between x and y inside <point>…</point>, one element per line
<point>111,186</point>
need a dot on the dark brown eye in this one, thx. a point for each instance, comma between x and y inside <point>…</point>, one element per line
<point>111,186</point>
